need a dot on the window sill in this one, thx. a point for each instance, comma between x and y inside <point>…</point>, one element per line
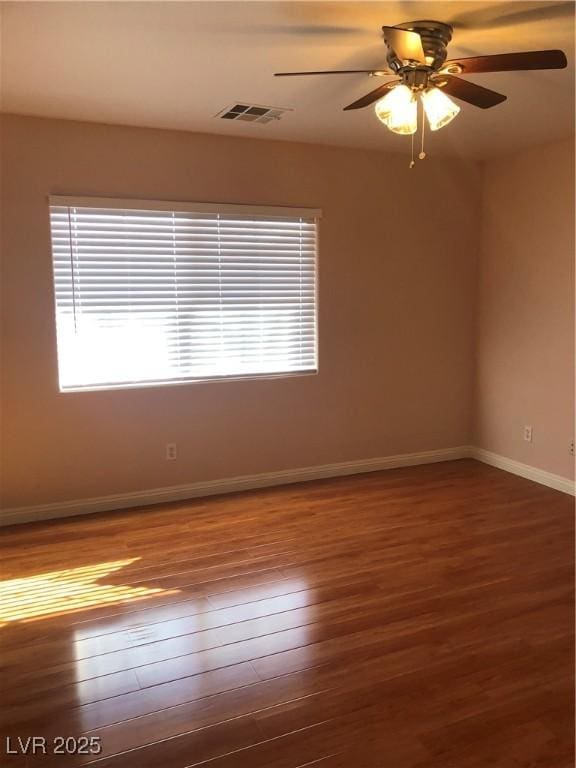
<point>184,382</point>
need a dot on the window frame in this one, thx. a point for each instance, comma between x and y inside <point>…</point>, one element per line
<point>188,207</point>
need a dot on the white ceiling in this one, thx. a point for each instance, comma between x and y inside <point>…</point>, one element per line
<point>176,64</point>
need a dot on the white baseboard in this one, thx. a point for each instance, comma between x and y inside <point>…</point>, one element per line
<point>557,482</point>
<point>226,485</point>
<point>250,482</point>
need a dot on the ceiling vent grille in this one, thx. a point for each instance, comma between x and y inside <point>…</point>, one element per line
<point>252,113</point>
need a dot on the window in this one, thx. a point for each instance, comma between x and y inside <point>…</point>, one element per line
<point>149,293</point>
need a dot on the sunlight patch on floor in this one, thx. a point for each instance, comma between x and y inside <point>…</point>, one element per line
<point>58,592</point>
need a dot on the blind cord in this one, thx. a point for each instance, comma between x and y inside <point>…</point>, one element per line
<point>72,272</point>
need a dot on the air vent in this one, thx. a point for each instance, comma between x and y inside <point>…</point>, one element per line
<point>252,113</point>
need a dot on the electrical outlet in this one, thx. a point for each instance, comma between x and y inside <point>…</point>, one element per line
<point>171,451</point>
<point>571,447</point>
<point>528,434</point>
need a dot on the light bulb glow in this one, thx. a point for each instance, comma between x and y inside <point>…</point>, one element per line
<point>440,110</point>
<point>398,110</point>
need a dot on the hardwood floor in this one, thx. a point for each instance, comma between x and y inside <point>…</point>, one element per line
<point>414,618</point>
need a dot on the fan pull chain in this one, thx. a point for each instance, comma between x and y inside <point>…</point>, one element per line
<point>422,154</point>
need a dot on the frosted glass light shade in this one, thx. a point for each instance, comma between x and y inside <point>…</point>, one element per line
<point>440,110</point>
<point>398,110</point>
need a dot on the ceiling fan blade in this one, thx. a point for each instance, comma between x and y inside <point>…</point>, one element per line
<point>470,92</point>
<point>375,72</point>
<point>405,44</point>
<point>495,15</point>
<point>315,30</point>
<point>371,97</point>
<point>510,62</point>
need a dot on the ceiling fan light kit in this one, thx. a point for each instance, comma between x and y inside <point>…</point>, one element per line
<point>398,110</point>
<point>417,57</point>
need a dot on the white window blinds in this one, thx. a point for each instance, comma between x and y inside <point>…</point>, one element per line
<point>151,293</point>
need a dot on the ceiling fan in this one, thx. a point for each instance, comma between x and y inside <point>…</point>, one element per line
<point>417,58</point>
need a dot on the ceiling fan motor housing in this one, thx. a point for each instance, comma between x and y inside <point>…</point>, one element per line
<point>435,37</point>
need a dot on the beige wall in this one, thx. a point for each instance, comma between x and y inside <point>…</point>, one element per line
<point>397,286</point>
<point>525,363</point>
